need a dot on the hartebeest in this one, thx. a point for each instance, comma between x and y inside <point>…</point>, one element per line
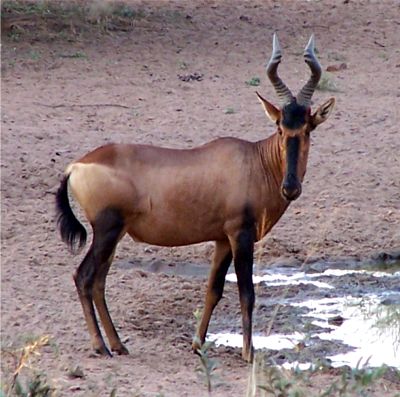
<point>229,191</point>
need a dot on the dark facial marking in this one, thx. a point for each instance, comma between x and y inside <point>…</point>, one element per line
<point>293,116</point>
<point>292,155</point>
<point>291,186</point>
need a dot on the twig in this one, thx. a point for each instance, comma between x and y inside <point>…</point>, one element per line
<point>63,105</point>
<point>315,26</point>
<point>379,44</point>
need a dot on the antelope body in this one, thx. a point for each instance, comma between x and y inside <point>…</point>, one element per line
<point>229,191</point>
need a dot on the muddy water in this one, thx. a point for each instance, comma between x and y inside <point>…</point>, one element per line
<point>355,314</point>
<point>341,313</point>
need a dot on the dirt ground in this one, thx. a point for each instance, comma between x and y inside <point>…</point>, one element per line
<point>177,77</point>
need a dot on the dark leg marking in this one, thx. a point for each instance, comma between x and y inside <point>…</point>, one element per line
<point>243,248</point>
<point>91,274</point>
<point>244,272</point>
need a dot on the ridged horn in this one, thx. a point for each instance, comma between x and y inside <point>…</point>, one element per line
<point>305,94</point>
<point>284,94</point>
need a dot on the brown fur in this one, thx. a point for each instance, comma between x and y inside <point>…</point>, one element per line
<point>169,198</point>
<point>229,191</point>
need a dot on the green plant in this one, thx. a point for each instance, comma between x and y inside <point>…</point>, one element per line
<point>335,56</point>
<point>34,55</point>
<point>124,10</point>
<point>278,382</point>
<point>388,320</point>
<point>384,56</point>
<point>327,83</point>
<point>183,65</point>
<point>354,382</point>
<point>254,82</point>
<point>35,387</point>
<point>15,34</point>
<point>75,372</point>
<point>113,393</point>
<point>78,54</point>
<point>208,365</point>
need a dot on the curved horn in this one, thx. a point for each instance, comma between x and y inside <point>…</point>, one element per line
<point>304,96</point>
<point>281,89</point>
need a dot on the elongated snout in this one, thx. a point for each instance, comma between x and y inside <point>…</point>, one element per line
<point>291,187</point>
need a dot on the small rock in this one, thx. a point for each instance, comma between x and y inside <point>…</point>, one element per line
<point>76,372</point>
<point>191,77</point>
<point>244,18</point>
<point>337,67</point>
<point>337,320</point>
<point>142,273</point>
<point>392,300</point>
<point>386,256</point>
<point>285,262</point>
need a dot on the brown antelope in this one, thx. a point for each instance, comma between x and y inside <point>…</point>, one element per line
<point>229,191</point>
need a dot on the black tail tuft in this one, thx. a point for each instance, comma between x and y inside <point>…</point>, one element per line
<point>72,231</point>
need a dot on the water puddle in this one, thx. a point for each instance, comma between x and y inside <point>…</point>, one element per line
<point>297,278</point>
<point>343,312</point>
<point>366,324</point>
<point>366,327</point>
<point>272,342</point>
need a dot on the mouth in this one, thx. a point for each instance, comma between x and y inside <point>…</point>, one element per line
<point>291,187</point>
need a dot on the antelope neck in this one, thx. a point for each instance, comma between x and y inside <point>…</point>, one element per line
<point>271,159</point>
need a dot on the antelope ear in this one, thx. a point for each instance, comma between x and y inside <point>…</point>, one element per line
<point>272,112</point>
<point>323,112</point>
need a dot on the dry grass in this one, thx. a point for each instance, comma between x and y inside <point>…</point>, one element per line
<point>21,365</point>
<point>61,19</point>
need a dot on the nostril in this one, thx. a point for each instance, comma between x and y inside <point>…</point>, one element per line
<point>290,192</point>
<point>285,192</point>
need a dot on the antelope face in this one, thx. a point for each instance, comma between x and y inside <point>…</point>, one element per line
<point>294,142</point>
<point>294,118</point>
<point>295,123</point>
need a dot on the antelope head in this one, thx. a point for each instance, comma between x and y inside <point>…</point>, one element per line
<point>294,118</point>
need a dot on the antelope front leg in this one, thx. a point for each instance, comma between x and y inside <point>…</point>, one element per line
<point>243,248</point>
<point>216,281</point>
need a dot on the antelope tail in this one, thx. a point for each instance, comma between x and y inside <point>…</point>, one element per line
<point>72,231</point>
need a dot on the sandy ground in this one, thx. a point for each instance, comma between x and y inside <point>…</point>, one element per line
<point>62,98</point>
